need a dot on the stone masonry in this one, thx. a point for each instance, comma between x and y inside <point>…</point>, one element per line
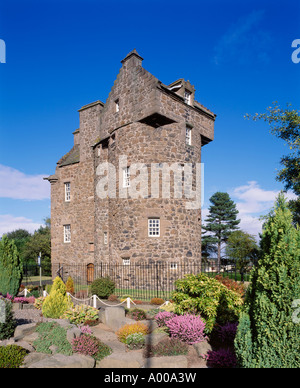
<point>143,123</point>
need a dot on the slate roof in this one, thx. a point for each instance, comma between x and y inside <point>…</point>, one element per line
<point>72,157</point>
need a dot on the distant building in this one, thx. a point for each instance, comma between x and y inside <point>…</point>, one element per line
<point>146,122</point>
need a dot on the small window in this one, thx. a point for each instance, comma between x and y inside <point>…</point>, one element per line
<point>105,238</point>
<point>187,97</point>
<point>126,177</point>
<point>67,233</point>
<point>126,260</point>
<point>67,191</point>
<point>99,151</point>
<point>188,135</point>
<point>153,227</point>
<point>173,266</point>
<point>117,105</point>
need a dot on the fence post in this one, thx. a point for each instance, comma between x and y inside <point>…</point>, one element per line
<point>128,303</point>
<point>95,301</point>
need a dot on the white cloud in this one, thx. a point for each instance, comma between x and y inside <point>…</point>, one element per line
<point>17,185</point>
<point>9,223</point>
<point>252,201</point>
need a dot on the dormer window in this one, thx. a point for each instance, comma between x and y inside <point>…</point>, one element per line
<point>117,105</point>
<point>187,97</point>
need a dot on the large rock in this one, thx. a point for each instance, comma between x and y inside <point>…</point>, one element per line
<point>154,338</point>
<point>62,361</point>
<point>23,330</point>
<point>122,360</point>
<point>114,317</point>
<point>202,348</point>
<point>167,362</point>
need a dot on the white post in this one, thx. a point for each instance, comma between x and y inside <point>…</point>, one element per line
<point>128,303</point>
<point>25,292</point>
<point>95,301</point>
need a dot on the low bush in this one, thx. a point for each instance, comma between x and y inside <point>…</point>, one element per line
<point>168,307</point>
<point>157,301</point>
<point>103,287</point>
<point>162,317</point>
<point>231,284</point>
<point>201,294</point>
<point>38,303</point>
<point>50,333</point>
<point>70,285</point>
<point>90,346</point>
<point>222,358</point>
<point>187,328</point>
<point>137,314</point>
<point>81,314</point>
<point>8,322</point>
<point>11,356</point>
<point>126,330</point>
<point>135,341</point>
<point>168,347</point>
<point>57,302</point>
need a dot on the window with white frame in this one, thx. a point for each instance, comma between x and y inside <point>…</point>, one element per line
<point>67,233</point>
<point>188,135</point>
<point>126,260</point>
<point>105,238</point>
<point>173,266</point>
<point>67,191</point>
<point>153,227</point>
<point>187,97</point>
<point>126,177</point>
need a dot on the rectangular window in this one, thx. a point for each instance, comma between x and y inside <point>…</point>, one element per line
<point>105,238</point>
<point>153,227</point>
<point>126,177</point>
<point>173,266</point>
<point>188,135</point>
<point>187,97</point>
<point>126,260</point>
<point>117,105</point>
<point>67,233</point>
<point>67,191</point>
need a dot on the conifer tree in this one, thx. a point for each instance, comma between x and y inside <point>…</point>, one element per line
<point>57,302</point>
<point>220,222</point>
<point>10,267</point>
<point>268,334</point>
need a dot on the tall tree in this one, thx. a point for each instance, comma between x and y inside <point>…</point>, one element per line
<point>268,334</point>
<point>241,247</point>
<point>10,267</point>
<point>20,237</point>
<point>285,124</point>
<point>220,222</point>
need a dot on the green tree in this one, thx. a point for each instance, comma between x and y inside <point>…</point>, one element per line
<point>10,267</point>
<point>20,237</point>
<point>268,336</point>
<point>285,124</point>
<point>40,241</point>
<point>220,222</point>
<point>241,247</point>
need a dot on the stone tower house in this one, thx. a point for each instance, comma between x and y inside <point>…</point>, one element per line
<point>143,127</point>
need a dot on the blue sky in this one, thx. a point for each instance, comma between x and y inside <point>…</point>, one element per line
<point>61,55</point>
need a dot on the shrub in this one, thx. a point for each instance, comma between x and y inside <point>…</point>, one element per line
<point>103,287</point>
<point>267,335</point>
<point>90,346</point>
<point>23,300</point>
<point>157,301</point>
<point>188,328</point>
<point>226,334</point>
<point>231,284</point>
<point>70,285</point>
<point>10,267</point>
<point>137,314</point>
<point>162,317</point>
<point>168,307</point>
<point>11,356</point>
<point>126,330</point>
<point>38,304</point>
<point>206,296</point>
<point>135,341</point>
<point>7,328</point>
<point>50,333</point>
<point>57,302</point>
<point>169,347</point>
<point>113,298</point>
<point>85,329</point>
<point>81,314</point>
<point>222,358</point>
